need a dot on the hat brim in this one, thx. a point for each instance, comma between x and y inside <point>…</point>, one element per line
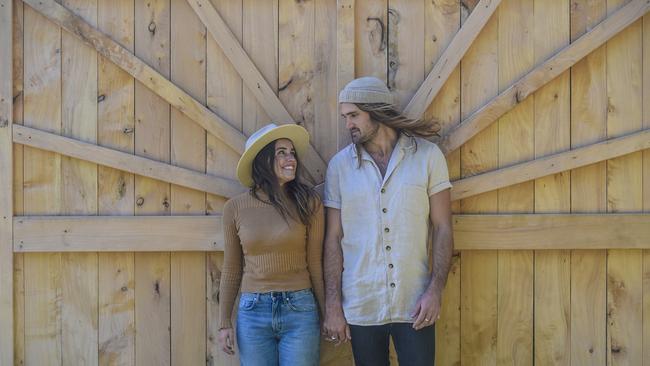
<point>297,134</point>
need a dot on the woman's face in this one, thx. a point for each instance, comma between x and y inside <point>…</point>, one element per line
<point>285,163</point>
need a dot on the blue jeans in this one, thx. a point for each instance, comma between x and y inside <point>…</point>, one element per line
<point>414,347</point>
<point>278,328</point>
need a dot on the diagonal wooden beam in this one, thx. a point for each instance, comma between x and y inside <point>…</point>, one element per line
<point>6,185</point>
<point>155,81</point>
<point>450,58</point>
<point>543,74</point>
<point>551,164</point>
<point>251,76</point>
<point>126,162</point>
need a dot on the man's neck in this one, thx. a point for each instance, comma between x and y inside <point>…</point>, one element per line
<point>383,143</point>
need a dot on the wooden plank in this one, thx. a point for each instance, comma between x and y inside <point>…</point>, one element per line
<point>346,29</point>
<point>542,74</point>
<point>117,233</point>
<point>551,164</point>
<point>325,92</point>
<point>552,231</point>
<point>42,187</point>
<point>18,209</point>
<point>371,38</point>
<point>79,312</point>
<point>6,182</point>
<point>624,194</point>
<point>479,271</point>
<point>588,191</point>
<point>144,167</point>
<point>406,70</point>
<point>138,67</point>
<point>552,193</point>
<point>115,196</point>
<point>450,58</point>
<point>514,344</point>
<point>646,189</point>
<point>188,302</point>
<point>253,79</point>
<point>224,96</point>
<point>442,21</point>
<point>152,139</point>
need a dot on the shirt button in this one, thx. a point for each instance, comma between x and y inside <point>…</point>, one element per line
<point>388,247</point>
<point>384,210</point>
<point>390,265</point>
<point>387,230</point>
<point>392,285</point>
<point>383,190</point>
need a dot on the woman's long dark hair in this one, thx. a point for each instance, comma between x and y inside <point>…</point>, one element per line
<point>302,200</point>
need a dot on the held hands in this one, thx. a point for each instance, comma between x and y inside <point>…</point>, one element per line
<point>427,310</point>
<point>335,327</point>
<point>227,340</point>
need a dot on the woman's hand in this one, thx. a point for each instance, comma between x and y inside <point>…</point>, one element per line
<point>227,340</point>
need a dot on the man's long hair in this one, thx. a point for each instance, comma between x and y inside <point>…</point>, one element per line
<point>388,115</point>
<point>295,199</point>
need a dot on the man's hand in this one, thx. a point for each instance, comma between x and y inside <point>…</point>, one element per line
<point>227,340</point>
<point>335,327</point>
<point>427,310</point>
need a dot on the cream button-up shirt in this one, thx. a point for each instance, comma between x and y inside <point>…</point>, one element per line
<point>385,224</point>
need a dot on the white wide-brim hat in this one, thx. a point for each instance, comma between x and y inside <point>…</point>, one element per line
<point>262,137</point>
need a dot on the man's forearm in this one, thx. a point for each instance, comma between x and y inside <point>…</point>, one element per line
<point>333,268</point>
<point>442,253</point>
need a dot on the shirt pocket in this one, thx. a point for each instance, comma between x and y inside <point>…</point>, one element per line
<point>414,200</point>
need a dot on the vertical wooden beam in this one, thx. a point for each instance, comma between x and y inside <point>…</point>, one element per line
<point>345,62</point>
<point>478,282</point>
<point>646,189</point>
<point>552,193</point>
<point>152,139</point>
<point>115,188</point>
<point>441,23</point>
<point>588,191</point>
<point>371,38</point>
<point>42,187</point>
<point>516,144</point>
<point>6,184</point>
<point>224,97</point>
<point>188,304</point>
<point>624,193</point>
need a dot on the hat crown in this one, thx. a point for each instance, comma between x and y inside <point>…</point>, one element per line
<point>367,89</point>
<point>259,133</point>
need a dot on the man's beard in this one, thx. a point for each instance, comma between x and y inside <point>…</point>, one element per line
<point>363,138</point>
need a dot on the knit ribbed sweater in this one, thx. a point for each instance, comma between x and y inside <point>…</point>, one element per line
<point>263,252</point>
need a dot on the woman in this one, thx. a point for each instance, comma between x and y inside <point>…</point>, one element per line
<point>273,248</point>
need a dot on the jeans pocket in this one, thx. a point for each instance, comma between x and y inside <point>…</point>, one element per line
<point>302,301</point>
<point>247,302</point>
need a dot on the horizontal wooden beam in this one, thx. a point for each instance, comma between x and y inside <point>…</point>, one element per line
<point>252,77</point>
<point>562,231</point>
<point>450,58</point>
<point>117,233</point>
<point>551,164</point>
<point>543,74</point>
<point>203,233</point>
<point>126,162</point>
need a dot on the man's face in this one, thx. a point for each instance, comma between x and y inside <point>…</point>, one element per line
<point>358,122</point>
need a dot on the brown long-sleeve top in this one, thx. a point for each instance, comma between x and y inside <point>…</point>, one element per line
<point>264,252</point>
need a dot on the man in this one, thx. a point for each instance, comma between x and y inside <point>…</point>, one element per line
<point>382,192</point>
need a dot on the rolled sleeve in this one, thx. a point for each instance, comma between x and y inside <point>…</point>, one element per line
<point>332,186</point>
<point>438,172</point>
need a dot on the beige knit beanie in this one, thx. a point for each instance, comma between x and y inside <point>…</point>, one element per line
<point>366,90</point>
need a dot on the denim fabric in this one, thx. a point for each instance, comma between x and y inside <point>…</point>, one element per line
<point>278,328</point>
<point>414,347</point>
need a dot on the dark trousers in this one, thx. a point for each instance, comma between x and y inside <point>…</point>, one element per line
<point>414,348</point>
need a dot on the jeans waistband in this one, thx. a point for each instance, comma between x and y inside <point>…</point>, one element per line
<point>278,294</point>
